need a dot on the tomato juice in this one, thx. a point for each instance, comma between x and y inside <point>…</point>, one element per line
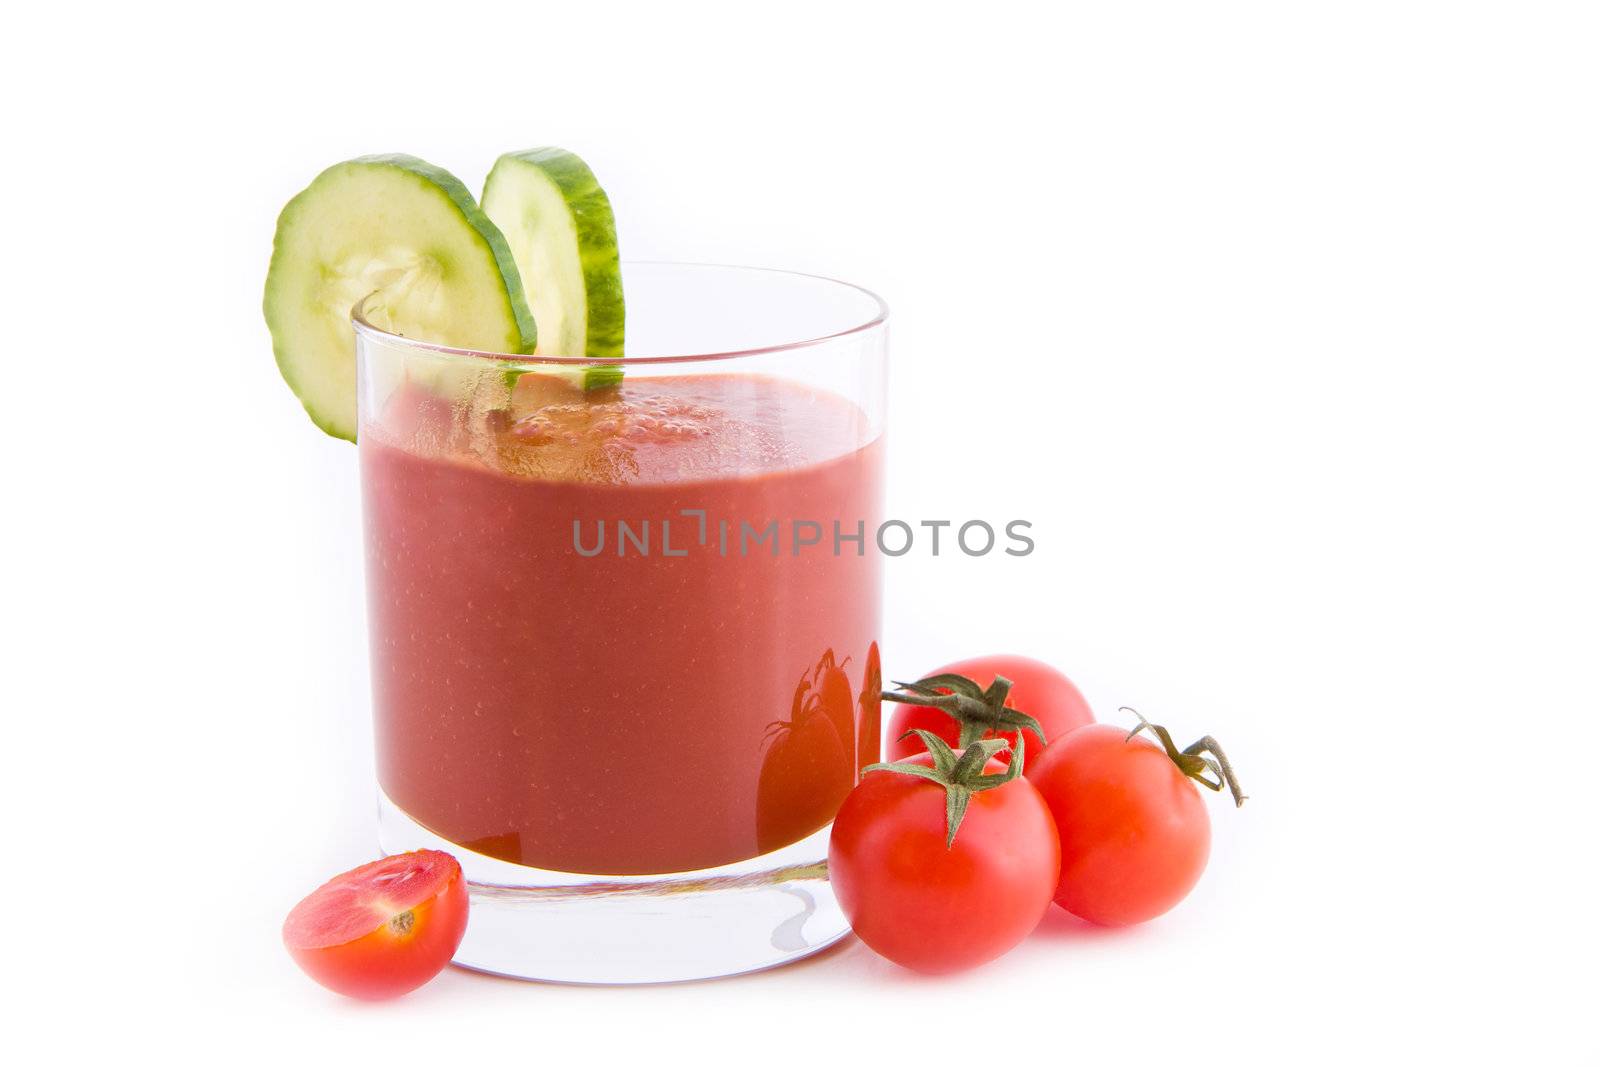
<point>623,710</point>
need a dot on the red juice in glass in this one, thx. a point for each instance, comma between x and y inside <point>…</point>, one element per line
<point>661,705</point>
<point>624,639</point>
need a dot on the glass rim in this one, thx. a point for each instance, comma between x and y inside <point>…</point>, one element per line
<point>880,316</point>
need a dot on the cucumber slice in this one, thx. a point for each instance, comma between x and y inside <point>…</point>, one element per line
<point>409,230</point>
<point>558,222</point>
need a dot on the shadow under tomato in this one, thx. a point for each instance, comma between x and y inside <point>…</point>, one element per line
<point>1059,924</point>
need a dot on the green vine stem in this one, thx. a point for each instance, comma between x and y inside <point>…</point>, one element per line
<point>977,710</point>
<point>960,776</point>
<point>1193,761</point>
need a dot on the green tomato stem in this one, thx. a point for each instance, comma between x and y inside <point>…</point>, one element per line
<point>1191,761</point>
<point>977,710</point>
<point>959,776</point>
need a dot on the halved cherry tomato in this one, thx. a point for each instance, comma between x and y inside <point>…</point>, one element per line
<point>382,929</point>
<point>1037,689</point>
<point>930,902</point>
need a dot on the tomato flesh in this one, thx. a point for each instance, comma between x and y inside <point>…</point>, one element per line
<point>936,909</point>
<point>1037,689</point>
<point>382,929</point>
<point>1135,835</point>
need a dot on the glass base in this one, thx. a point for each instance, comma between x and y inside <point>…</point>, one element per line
<point>556,927</point>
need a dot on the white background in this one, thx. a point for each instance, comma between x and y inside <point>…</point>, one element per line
<point>1280,320</point>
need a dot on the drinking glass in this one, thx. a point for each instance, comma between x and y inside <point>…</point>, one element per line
<point>624,621</point>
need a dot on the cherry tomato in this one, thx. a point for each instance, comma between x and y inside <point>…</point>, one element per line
<point>382,929</point>
<point>1037,689</point>
<point>936,907</point>
<point>1134,830</point>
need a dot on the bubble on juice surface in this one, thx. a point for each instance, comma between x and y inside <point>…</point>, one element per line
<point>667,430</point>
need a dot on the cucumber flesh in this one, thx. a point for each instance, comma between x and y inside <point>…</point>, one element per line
<point>558,224</point>
<point>407,230</point>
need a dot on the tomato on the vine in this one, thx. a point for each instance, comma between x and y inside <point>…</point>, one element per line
<point>384,928</point>
<point>944,861</point>
<point>1134,831</point>
<point>1036,689</point>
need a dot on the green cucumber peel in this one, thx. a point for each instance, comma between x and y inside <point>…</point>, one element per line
<point>407,231</point>
<point>560,228</point>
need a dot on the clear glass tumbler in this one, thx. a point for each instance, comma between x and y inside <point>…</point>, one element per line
<point>624,621</point>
